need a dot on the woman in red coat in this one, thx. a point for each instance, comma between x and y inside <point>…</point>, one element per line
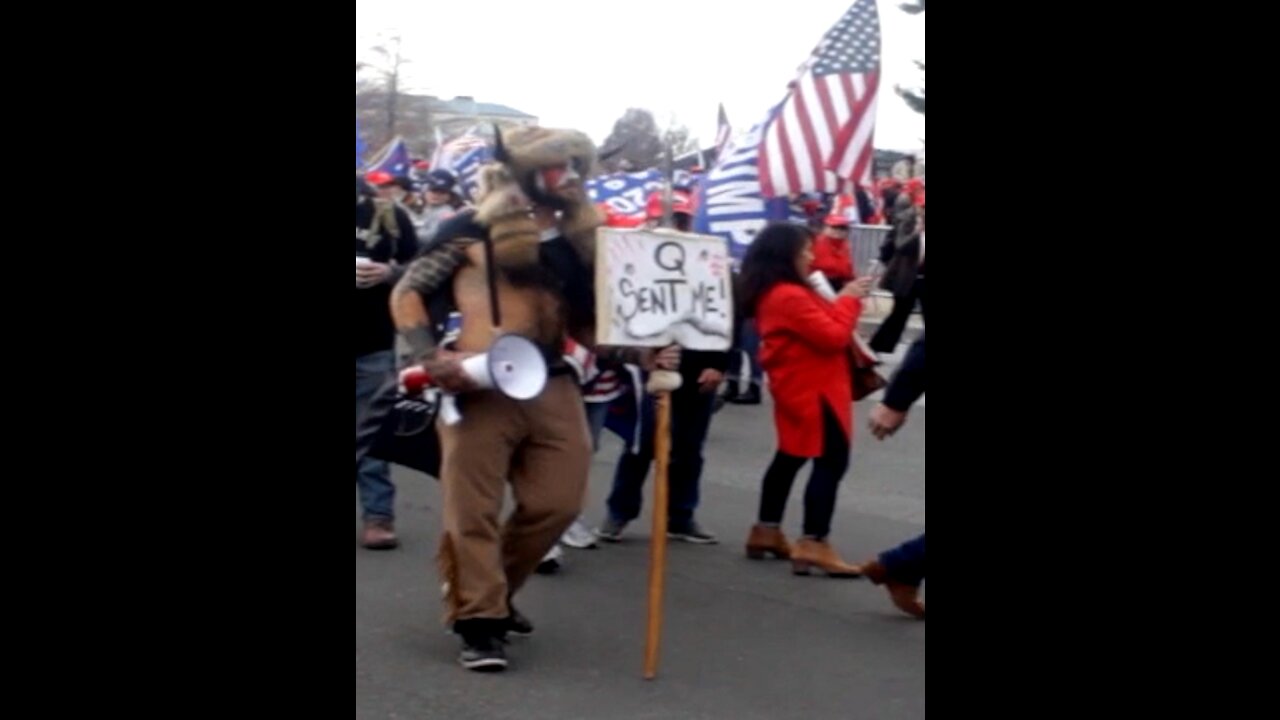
<point>805,343</point>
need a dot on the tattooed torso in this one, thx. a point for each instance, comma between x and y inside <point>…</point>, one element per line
<point>532,311</point>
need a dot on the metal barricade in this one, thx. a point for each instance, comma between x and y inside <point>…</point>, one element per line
<point>865,245</point>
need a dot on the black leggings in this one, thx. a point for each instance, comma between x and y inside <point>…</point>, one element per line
<point>824,484</point>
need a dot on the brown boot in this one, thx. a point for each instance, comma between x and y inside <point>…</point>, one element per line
<point>379,534</point>
<point>905,597</point>
<point>810,553</point>
<point>767,541</point>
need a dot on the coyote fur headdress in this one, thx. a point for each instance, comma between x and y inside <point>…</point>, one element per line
<point>540,166</point>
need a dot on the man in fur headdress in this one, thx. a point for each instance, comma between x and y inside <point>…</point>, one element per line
<point>535,210</point>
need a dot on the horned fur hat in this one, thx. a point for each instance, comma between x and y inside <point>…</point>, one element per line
<point>510,185</point>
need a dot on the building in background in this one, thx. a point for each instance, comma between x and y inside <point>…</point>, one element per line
<point>417,116</point>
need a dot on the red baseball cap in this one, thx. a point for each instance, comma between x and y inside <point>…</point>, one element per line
<point>379,178</point>
<point>681,203</point>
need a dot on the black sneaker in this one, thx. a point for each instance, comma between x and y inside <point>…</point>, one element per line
<point>482,653</point>
<point>691,533</point>
<point>518,624</point>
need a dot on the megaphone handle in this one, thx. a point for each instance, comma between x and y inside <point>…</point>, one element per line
<point>449,410</point>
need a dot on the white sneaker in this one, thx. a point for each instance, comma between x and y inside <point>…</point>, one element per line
<point>578,536</point>
<point>551,564</point>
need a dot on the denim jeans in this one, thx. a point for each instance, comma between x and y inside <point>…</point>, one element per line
<point>597,413</point>
<point>373,477</point>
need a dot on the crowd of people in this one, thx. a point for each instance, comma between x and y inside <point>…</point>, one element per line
<point>446,277</point>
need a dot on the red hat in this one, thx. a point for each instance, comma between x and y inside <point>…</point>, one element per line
<point>915,189</point>
<point>835,220</point>
<point>615,219</point>
<point>378,178</point>
<point>681,202</point>
<point>422,165</point>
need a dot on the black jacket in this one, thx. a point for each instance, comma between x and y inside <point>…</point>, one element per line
<point>908,383</point>
<point>375,331</point>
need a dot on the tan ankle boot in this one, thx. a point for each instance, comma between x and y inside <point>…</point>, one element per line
<point>809,554</point>
<point>905,597</point>
<point>767,541</point>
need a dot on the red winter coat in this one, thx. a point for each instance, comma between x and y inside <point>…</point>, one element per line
<point>834,258</point>
<point>804,347</point>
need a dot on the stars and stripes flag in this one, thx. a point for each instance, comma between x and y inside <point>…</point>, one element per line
<point>723,131</point>
<point>449,154</point>
<point>821,135</point>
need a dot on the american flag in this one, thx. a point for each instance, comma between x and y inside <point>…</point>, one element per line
<point>448,154</point>
<point>822,134</point>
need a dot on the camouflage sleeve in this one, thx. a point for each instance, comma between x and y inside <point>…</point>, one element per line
<point>424,276</point>
<point>431,271</point>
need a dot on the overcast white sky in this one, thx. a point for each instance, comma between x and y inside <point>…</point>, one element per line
<point>581,63</point>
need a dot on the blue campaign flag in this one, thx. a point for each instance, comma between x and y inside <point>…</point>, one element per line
<point>393,159</point>
<point>360,145</point>
<point>467,169</point>
<point>625,193</point>
<point>731,203</point>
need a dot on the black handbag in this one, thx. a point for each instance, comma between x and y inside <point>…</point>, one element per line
<point>401,430</point>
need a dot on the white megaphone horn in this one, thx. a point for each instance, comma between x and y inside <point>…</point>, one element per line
<point>818,281</point>
<point>513,366</point>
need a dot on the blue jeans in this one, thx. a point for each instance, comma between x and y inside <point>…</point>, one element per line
<point>597,413</point>
<point>373,477</point>
<point>905,563</point>
<point>691,412</point>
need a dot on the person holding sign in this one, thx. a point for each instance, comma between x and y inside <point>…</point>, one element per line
<point>805,349</point>
<point>518,264</point>
<point>692,407</point>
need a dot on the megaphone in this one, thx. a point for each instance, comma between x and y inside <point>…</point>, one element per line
<point>513,366</point>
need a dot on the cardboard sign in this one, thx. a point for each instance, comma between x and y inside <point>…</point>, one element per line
<point>661,287</point>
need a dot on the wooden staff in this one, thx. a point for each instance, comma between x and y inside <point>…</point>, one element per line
<point>661,383</point>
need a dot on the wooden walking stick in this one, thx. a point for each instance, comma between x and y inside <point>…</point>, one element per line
<point>661,383</point>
